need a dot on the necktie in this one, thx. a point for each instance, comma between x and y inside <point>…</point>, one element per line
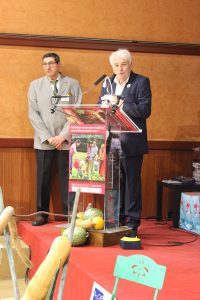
<point>55,89</point>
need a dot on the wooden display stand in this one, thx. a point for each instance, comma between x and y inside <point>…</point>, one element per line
<point>105,238</point>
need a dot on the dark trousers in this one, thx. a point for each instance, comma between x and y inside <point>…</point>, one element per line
<point>45,160</point>
<point>112,195</point>
<point>131,190</point>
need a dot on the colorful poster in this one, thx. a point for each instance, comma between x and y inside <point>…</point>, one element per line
<point>118,120</point>
<point>87,158</point>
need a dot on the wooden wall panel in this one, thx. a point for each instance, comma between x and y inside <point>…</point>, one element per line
<point>155,20</point>
<point>174,81</point>
<point>17,179</point>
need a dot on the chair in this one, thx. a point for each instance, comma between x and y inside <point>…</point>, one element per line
<point>141,269</point>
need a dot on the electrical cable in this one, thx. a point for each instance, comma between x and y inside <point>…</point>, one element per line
<point>42,212</point>
<point>173,243</point>
<point>196,236</point>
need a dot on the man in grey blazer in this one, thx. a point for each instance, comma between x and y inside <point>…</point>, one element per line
<point>50,131</point>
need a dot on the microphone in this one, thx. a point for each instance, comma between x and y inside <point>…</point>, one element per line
<point>57,98</point>
<point>95,84</point>
<point>85,92</point>
<point>99,79</point>
<point>115,104</point>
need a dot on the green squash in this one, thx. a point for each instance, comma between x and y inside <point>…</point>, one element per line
<point>79,237</point>
<point>91,213</point>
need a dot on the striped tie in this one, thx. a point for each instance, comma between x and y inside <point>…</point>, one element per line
<point>55,89</point>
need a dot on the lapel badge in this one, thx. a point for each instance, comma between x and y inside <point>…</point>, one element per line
<point>128,85</point>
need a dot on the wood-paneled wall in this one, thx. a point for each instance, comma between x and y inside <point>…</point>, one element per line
<point>17,175</point>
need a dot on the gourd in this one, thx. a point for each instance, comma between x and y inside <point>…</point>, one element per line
<point>98,223</point>
<point>79,237</point>
<point>86,224</point>
<point>80,215</point>
<point>5,216</point>
<point>17,243</point>
<point>39,285</point>
<point>92,212</point>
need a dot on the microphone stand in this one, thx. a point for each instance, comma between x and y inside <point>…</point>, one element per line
<point>57,97</point>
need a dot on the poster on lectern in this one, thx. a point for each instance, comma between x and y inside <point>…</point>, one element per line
<point>87,158</point>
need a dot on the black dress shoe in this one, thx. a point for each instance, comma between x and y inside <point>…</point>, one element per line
<point>122,221</point>
<point>39,220</point>
<point>132,233</point>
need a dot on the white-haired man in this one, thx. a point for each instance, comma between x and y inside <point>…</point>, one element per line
<point>134,93</point>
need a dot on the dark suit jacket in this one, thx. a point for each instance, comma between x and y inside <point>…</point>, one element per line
<point>137,105</point>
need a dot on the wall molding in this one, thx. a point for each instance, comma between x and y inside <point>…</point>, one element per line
<point>153,145</point>
<point>16,142</point>
<point>14,39</point>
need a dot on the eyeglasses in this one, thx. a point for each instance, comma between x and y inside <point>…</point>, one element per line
<point>51,63</point>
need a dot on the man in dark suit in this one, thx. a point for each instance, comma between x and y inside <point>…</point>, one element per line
<point>132,92</point>
<point>50,131</point>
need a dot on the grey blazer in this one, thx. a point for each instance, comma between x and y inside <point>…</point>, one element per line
<point>45,123</point>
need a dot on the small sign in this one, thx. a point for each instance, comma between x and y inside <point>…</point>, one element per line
<point>99,293</point>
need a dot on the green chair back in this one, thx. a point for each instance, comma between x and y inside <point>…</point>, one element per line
<point>140,269</point>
